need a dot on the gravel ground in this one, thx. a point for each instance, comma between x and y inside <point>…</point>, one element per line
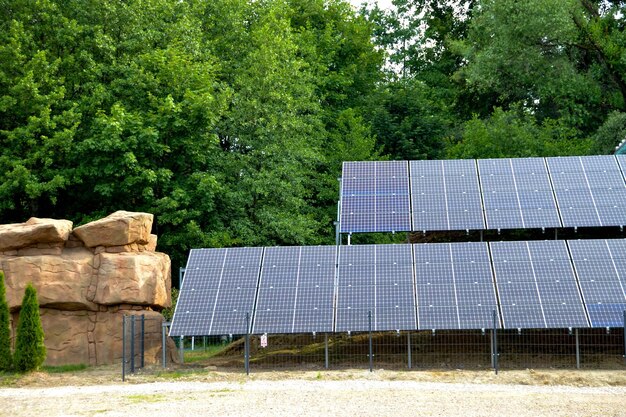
<point>361,395</point>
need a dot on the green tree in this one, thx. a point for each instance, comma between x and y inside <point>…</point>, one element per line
<point>516,133</point>
<point>6,359</point>
<point>30,351</point>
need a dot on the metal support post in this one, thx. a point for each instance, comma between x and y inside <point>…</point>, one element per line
<point>624,331</point>
<point>164,344</point>
<point>495,342</point>
<point>369,317</point>
<point>124,348</point>
<point>326,350</point>
<point>193,343</point>
<point>349,238</point>
<point>481,235</point>
<point>204,343</point>
<point>143,337</point>
<point>132,344</point>
<point>577,349</point>
<point>408,342</point>
<point>247,345</point>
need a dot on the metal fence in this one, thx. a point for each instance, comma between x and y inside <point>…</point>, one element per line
<point>142,336</point>
<point>426,350</point>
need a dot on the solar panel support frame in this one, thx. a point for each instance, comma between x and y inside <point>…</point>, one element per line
<point>624,332</point>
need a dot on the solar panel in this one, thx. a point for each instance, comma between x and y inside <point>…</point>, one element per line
<point>375,197</point>
<point>296,290</point>
<point>376,279</point>
<point>536,285</point>
<point>454,286</point>
<point>218,291</point>
<point>590,190</point>
<point>445,195</point>
<point>601,269</point>
<point>517,194</point>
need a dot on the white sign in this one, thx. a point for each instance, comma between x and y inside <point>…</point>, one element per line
<point>264,340</point>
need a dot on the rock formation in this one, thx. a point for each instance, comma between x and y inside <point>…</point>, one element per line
<point>87,279</point>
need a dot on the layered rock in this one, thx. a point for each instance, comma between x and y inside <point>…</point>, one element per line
<point>87,280</point>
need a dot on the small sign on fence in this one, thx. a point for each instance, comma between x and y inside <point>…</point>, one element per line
<point>264,340</point>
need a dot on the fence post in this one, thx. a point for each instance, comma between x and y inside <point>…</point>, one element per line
<point>577,349</point>
<point>408,342</point>
<point>143,335</point>
<point>164,344</point>
<point>132,344</point>
<point>124,348</point>
<point>246,349</point>
<point>495,343</point>
<point>369,317</point>
<point>326,350</point>
<point>181,350</point>
<point>624,331</point>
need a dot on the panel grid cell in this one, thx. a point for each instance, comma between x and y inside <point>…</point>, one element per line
<point>296,290</point>
<point>375,197</point>
<point>536,285</point>
<point>445,195</point>
<point>454,286</point>
<point>601,273</point>
<point>218,291</point>
<point>376,279</point>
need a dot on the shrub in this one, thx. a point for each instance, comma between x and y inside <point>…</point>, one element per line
<point>6,360</point>
<point>30,351</point>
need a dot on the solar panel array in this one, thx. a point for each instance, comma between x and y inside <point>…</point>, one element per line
<point>437,195</point>
<point>439,286</point>
<point>375,197</point>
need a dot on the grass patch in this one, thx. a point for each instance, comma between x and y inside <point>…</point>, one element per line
<point>8,379</point>
<point>64,368</point>
<point>202,354</point>
<point>146,398</point>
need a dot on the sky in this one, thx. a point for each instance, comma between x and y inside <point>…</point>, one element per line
<point>381,3</point>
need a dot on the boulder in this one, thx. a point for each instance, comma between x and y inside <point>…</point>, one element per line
<point>34,231</point>
<point>67,336</point>
<point>139,278</point>
<point>62,282</point>
<point>118,229</point>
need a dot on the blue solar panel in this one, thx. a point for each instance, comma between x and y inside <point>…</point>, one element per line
<point>454,286</point>
<point>590,190</point>
<point>445,195</point>
<point>376,279</point>
<point>536,285</point>
<point>375,197</point>
<point>601,269</point>
<point>517,194</point>
<point>218,291</point>
<point>296,290</point>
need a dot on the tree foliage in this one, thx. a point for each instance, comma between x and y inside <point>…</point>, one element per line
<point>6,358</point>
<point>229,119</point>
<point>30,351</point>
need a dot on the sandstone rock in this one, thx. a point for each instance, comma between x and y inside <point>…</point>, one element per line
<point>34,231</point>
<point>133,278</point>
<point>66,336</point>
<point>152,243</point>
<point>61,281</point>
<point>118,229</point>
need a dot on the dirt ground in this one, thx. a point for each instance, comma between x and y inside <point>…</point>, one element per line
<point>200,391</point>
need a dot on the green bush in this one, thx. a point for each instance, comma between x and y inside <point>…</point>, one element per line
<point>30,351</point>
<point>6,360</point>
